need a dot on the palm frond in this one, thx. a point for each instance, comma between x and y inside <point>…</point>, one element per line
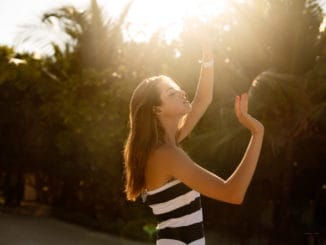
<point>38,37</point>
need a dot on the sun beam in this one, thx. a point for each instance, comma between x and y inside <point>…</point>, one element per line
<point>148,16</point>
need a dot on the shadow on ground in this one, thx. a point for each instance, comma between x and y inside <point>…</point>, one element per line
<point>31,224</point>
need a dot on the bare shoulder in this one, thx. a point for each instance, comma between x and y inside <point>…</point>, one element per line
<point>168,154</point>
<point>166,159</point>
<point>168,162</point>
<point>158,167</point>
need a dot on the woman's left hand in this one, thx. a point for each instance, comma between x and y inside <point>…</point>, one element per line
<point>241,110</point>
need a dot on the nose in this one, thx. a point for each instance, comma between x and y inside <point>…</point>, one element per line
<point>183,93</point>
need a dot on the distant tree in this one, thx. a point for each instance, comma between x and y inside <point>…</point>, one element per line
<point>95,42</point>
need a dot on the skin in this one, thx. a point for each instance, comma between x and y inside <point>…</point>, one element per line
<point>178,117</point>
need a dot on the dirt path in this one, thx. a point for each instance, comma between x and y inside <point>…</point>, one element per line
<point>29,230</point>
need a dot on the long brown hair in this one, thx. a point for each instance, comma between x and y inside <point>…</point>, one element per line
<point>145,134</point>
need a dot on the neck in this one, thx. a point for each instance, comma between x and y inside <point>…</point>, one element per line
<point>170,127</point>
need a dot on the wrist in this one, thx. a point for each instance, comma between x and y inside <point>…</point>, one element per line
<point>207,50</point>
<point>207,55</point>
<point>257,132</point>
<point>207,63</point>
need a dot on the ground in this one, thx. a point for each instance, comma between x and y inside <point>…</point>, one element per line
<point>30,225</point>
<point>30,230</point>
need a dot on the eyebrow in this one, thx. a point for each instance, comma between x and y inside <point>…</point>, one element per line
<point>173,87</point>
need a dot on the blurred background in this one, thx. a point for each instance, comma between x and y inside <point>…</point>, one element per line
<point>65,84</point>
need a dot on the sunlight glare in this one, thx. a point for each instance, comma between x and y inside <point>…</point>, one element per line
<point>169,15</point>
<point>323,25</point>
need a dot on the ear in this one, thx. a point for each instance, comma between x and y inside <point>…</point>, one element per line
<point>156,110</point>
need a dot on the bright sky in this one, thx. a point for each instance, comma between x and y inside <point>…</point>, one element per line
<point>145,15</point>
<point>17,13</point>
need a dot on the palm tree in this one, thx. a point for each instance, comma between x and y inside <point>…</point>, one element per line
<point>95,41</point>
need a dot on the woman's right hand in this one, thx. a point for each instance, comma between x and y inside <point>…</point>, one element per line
<point>241,110</point>
<point>206,42</point>
<point>203,36</point>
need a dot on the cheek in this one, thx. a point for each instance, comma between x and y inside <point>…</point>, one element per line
<point>168,108</point>
<point>173,109</point>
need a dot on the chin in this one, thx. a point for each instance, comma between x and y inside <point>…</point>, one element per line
<point>188,109</point>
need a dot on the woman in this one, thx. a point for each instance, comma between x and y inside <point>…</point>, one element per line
<point>157,168</point>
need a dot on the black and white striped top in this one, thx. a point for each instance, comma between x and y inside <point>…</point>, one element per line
<point>179,214</point>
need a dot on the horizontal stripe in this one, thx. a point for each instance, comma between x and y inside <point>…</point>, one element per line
<point>200,241</point>
<point>167,194</point>
<point>169,242</point>
<point>189,219</point>
<point>158,190</point>
<point>185,234</point>
<point>179,212</point>
<point>175,203</point>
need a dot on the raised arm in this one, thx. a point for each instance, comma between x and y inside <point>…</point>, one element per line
<point>204,93</point>
<point>232,190</point>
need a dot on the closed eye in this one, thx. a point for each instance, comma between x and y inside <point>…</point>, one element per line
<point>172,91</point>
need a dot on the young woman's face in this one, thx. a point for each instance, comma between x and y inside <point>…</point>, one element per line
<point>174,99</point>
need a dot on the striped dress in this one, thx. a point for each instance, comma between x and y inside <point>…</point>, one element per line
<point>178,211</point>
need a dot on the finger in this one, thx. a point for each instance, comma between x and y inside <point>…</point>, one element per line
<point>237,106</point>
<point>244,103</point>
